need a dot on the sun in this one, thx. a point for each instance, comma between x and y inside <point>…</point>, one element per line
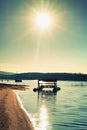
<point>43,20</point>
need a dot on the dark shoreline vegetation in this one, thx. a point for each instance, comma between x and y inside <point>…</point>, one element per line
<point>13,86</point>
<point>44,76</point>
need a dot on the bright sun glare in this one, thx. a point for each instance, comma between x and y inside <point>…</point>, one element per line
<point>43,20</point>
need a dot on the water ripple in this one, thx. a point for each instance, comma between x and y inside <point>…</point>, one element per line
<point>79,125</point>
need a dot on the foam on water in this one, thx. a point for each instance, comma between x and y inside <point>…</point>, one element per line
<point>22,107</point>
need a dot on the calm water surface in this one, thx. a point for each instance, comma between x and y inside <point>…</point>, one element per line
<point>67,110</point>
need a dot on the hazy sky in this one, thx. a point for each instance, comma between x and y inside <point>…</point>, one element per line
<point>62,48</point>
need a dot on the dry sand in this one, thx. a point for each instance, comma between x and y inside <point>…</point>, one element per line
<point>12,116</point>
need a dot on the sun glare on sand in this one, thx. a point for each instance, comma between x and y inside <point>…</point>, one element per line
<point>43,20</point>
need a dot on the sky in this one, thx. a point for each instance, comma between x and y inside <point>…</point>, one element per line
<point>60,48</point>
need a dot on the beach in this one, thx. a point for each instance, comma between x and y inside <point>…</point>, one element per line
<point>12,116</point>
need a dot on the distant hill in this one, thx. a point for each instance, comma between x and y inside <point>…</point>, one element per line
<point>44,76</point>
<point>6,73</point>
<point>51,76</point>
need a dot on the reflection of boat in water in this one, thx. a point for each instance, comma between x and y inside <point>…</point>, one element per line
<point>48,92</point>
<point>46,85</point>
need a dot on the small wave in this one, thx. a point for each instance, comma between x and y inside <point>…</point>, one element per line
<point>74,124</point>
<point>22,107</point>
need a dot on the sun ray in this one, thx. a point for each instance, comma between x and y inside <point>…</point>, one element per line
<point>22,35</point>
<point>66,29</point>
<point>37,50</point>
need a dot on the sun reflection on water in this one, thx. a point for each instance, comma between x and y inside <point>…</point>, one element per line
<point>43,118</point>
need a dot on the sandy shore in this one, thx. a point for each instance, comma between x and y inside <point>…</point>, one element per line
<point>12,116</point>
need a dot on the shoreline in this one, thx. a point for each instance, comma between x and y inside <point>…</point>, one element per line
<point>23,108</point>
<point>13,116</point>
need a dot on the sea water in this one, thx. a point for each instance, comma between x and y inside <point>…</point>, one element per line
<point>66,110</point>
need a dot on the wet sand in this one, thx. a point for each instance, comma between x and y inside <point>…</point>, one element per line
<point>12,116</point>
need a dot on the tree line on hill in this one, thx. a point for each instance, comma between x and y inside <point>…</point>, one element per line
<point>45,76</point>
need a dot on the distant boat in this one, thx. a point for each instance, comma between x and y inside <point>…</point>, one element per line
<point>18,80</point>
